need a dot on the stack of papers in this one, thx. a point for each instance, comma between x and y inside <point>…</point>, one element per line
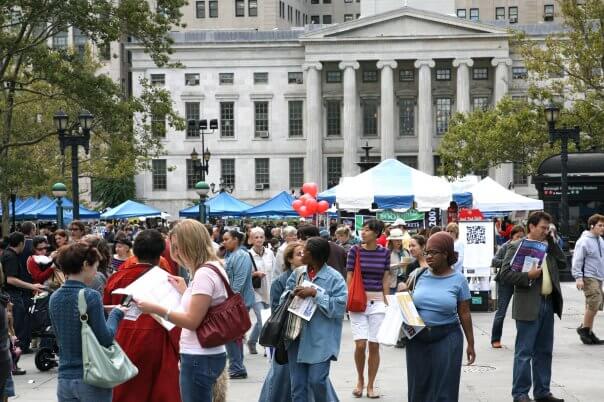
<point>304,308</point>
<point>412,322</point>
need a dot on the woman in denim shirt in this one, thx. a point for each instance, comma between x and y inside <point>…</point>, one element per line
<point>311,354</point>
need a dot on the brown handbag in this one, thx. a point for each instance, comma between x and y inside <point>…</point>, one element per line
<point>225,322</point>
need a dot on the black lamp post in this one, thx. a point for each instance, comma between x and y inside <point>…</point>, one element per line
<point>552,113</point>
<point>203,165</point>
<point>202,188</point>
<point>13,200</point>
<point>74,138</point>
<point>59,190</point>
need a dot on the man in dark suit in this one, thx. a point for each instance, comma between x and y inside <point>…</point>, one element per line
<point>537,296</point>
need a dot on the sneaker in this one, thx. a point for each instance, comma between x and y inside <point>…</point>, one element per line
<point>584,335</point>
<point>549,398</point>
<point>19,371</point>
<point>238,376</point>
<point>595,339</point>
<point>251,347</point>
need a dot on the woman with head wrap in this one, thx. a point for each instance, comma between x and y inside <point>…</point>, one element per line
<point>441,296</point>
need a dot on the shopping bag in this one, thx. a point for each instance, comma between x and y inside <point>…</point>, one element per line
<point>389,331</point>
<point>357,298</point>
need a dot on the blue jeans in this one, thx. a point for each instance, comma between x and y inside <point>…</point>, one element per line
<point>198,374</point>
<point>235,353</point>
<point>504,295</point>
<point>309,381</point>
<point>277,385</point>
<point>78,391</point>
<point>257,307</point>
<point>534,344</point>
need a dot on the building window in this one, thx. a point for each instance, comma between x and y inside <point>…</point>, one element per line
<point>370,117</point>
<point>226,78</point>
<point>295,77</point>
<point>262,173</point>
<point>227,119</point>
<point>520,178</point>
<point>347,1</point>
<point>326,1</point>
<point>193,173</point>
<point>480,103</point>
<point>260,78</point>
<point>480,73</point>
<point>261,119</point>
<point>410,161</point>
<point>159,174</point>
<point>239,8</point>
<point>192,113</point>
<point>327,19</point>
<point>548,12</point>
<point>158,79</point>
<point>406,110</point>
<point>348,17</point>
<point>315,19</point>
<point>296,118</point>
<point>333,118</point>
<point>296,173</point>
<point>499,13</point>
<point>461,13</point>
<point>519,73</point>
<point>191,80</point>
<point>200,9</point>
<point>370,76</point>
<point>334,170</point>
<point>513,14</point>
<point>443,74</point>
<point>314,1</point>
<point>79,41</point>
<point>158,125</point>
<point>59,41</point>
<point>443,115</point>
<point>333,76</point>
<point>213,5</point>
<point>406,75</point>
<point>227,172</point>
<point>252,8</point>
<point>474,14</point>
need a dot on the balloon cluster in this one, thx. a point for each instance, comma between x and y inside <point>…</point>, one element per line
<point>307,205</point>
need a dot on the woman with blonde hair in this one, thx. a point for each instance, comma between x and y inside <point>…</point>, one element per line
<point>191,247</point>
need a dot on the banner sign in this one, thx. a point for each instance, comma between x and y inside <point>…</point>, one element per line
<point>432,218</point>
<point>478,240</point>
<point>409,215</point>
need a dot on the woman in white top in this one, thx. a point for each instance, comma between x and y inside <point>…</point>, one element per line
<point>264,260</point>
<point>191,247</point>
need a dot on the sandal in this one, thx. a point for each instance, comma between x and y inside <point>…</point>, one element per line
<point>373,396</point>
<point>356,393</point>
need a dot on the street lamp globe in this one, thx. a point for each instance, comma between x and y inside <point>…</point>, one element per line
<point>207,155</point>
<point>552,113</point>
<point>202,188</point>
<point>85,119</point>
<point>194,155</point>
<point>61,120</point>
<point>59,190</point>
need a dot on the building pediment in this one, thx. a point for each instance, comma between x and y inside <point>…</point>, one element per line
<point>405,22</point>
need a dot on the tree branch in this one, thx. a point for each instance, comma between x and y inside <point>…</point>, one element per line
<point>5,147</point>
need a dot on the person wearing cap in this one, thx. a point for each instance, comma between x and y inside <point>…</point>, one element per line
<point>123,251</point>
<point>402,225</point>
<point>399,257</point>
<point>442,298</point>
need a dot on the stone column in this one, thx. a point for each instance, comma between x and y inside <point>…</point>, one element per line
<point>387,108</point>
<point>425,159</point>
<point>501,78</point>
<point>314,122</point>
<point>350,128</point>
<point>463,84</point>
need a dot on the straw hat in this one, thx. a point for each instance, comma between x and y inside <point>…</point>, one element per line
<point>396,234</point>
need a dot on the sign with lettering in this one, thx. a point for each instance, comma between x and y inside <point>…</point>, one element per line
<point>409,215</point>
<point>588,192</point>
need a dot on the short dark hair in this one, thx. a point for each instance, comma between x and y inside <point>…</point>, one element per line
<point>80,226</point>
<point>537,217</point>
<point>71,257</point>
<point>307,231</point>
<point>421,240</point>
<point>149,245</point>
<point>15,238</point>
<point>27,228</point>
<point>594,219</point>
<point>375,225</point>
<point>38,240</point>
<point>434,229</point>
<point>236,235</point>
<point>517,229</point>
<point>318,248</point>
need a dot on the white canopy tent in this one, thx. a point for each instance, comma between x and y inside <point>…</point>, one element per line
<point>490,196</point>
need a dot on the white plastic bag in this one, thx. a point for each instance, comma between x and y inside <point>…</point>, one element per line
<point>389,331</point>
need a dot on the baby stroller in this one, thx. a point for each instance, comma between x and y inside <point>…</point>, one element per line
<point>47,355</point>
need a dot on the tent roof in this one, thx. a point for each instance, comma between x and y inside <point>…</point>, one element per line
<point>49,211</point>
<point>222,204</point>
<point>27,211</point>
<point>490,196</point>
<point>130,209</point>
<point>279,205</point>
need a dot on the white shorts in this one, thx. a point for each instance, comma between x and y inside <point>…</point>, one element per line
<point>367,324</point>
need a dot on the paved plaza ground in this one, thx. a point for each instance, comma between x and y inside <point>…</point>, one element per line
<point>577,369</point>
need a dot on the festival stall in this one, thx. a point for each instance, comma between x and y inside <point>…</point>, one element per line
<point>490,196</point>
<point>130,209</point>
<point>223,204</point>
<point>27,211</point>
<point>49,212</point>
<point>279,205</point>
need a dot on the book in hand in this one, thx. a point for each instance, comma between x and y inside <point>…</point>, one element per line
<point>528,254</point>
<point>304,308</point>
<point>412,322</point>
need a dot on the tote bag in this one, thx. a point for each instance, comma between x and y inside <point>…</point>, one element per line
<point>272,330</point>
<point>357,298</point>
<point>103,367</point>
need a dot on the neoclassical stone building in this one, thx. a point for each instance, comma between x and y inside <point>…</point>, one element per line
<point>297,105</point>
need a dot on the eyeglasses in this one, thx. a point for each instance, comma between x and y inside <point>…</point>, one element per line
<point>300,254</point>
<point>74,229</point>
<point>431,253</point>
<point>41,248</point>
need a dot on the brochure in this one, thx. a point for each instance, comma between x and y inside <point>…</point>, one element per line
<point>304,308</point>
<point>529,253</point>
<point>412,322</point>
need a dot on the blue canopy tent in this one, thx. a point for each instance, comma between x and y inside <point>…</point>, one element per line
<point>279,205</point>
<point>27,212</point>
<point>223,204</point>
<point>50,212</point>
<point>19,203</point>
<point>130,209</point>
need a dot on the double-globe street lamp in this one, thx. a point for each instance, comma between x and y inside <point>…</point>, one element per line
<point>59,190</point>
<point>201,165</point>
<point>75,137</point>
<point>552,113</point>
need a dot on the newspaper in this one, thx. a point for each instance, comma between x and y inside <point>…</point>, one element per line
<point>304,308</point>
<point>529,253</point>
<point>412,322</point>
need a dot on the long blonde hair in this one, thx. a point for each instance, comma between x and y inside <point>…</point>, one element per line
<point>194,245</point>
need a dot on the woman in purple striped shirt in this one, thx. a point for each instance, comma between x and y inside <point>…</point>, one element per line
<point>375,266</point>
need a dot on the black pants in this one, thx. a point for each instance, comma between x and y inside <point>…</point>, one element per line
<point>5,369</point>
<point>21,317</point>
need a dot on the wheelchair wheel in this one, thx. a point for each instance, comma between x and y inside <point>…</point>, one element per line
<point>45,359</point>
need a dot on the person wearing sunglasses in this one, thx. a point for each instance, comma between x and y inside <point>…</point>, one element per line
<point>39,265</point>
<point>77,230</point>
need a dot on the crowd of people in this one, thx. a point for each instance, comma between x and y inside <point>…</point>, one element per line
<point>265,265</point>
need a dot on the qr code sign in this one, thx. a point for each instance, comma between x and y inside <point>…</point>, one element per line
<point>476,235</point>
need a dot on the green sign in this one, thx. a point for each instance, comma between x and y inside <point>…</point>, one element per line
<point>358,223</point>
<point>409,215</point>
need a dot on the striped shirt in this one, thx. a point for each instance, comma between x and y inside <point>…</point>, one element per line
<point>373,265</point>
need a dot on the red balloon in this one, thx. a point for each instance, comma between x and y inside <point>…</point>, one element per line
<point>302,211</point>
<point>310,188</point>
<point>297,204</point>
<point>311,205</point>
<point>323,206</point>
<point>305,198</point>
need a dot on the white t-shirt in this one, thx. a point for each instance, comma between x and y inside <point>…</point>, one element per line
<point>205,282</point>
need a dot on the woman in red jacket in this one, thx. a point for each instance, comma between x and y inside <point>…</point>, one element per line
<point>39,264</point>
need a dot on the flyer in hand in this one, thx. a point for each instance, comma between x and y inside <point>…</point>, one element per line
<point>304,308</point>
<point>412,322</point>
<point>529,253</point>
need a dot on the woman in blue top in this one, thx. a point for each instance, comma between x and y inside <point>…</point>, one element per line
<point>441,296</point>
<point>310,356</point>
<point>79,263</point>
